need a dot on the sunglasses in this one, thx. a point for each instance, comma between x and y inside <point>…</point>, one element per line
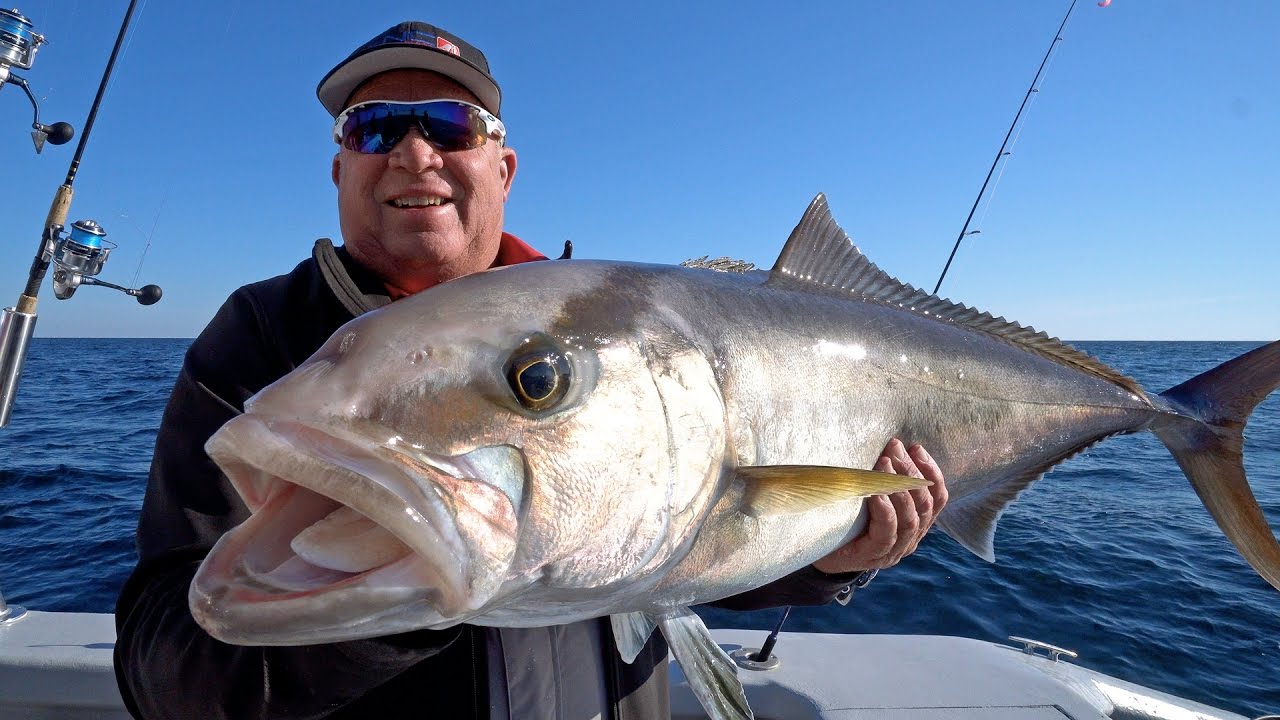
<point>374,127</point>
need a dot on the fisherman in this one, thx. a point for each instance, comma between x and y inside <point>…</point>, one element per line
<point>422,172</point>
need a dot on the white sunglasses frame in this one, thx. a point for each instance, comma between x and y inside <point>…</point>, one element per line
<point>493,127</point>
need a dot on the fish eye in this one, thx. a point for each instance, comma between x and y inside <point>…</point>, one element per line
<point>539,380</point>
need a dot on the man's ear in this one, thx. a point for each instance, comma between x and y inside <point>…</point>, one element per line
<point>336,169</point>
<point>506,169</point>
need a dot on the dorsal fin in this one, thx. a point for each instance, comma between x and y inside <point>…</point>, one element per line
<point>820,257</point>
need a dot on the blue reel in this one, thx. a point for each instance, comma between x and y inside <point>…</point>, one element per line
<point>18,40</point>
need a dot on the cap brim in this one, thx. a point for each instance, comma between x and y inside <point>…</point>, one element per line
<point>337,86</point>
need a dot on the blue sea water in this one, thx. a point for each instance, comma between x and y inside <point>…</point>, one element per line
<point>1111,555</point>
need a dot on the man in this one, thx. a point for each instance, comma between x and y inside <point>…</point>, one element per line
<point>421,189</point>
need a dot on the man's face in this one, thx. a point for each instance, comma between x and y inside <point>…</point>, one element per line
<point>412,247</point>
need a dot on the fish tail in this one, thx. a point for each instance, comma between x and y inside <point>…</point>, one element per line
<point>1206,437</point>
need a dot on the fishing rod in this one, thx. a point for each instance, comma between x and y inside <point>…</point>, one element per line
<point>762,659</point>
<point>77,256</point>
<point>964,231</point>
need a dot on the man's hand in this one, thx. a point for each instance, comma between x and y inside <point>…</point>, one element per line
<point>895,524</point>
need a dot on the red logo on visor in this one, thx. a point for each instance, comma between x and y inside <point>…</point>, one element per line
<point>448,47</point>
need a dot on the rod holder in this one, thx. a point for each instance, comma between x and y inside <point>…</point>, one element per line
<point>16,329</point>
<point>9,613</point>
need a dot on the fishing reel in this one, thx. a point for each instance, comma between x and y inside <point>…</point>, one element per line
<point>18,45</point>
<point>80,255</point>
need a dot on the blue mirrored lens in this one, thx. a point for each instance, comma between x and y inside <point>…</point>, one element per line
<point>375,128</point>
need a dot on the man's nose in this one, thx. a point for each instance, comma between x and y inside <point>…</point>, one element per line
<point>414,154</point>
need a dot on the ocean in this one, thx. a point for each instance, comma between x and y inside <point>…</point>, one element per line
<point>1111,555</point>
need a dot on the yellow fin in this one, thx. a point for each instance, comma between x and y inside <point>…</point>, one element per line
<point>787,489</point>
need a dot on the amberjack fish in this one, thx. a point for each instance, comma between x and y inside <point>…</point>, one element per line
<point>565,440</point>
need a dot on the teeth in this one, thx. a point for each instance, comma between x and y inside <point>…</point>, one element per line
<point>418,201</point>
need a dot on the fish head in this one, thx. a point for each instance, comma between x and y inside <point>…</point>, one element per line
<point>529,432</point>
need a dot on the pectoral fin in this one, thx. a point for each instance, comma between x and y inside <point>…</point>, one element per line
<point>630,632</point>
<point>712,676</point>
<point>786,489</point>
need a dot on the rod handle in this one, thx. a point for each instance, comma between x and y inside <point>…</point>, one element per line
<point>60,206</point>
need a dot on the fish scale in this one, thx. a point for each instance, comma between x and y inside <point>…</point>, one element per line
<point>693,434</point>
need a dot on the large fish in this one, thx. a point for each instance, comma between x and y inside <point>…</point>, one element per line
<point>565,440</point>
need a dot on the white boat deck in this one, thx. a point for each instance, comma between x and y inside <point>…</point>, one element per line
<point>930,677</point>
<point>57,666</point>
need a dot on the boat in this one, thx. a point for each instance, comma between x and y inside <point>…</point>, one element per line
<point>57,666</point>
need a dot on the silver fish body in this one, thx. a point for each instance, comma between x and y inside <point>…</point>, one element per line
<point>816,380</point>
<point>564,440</point>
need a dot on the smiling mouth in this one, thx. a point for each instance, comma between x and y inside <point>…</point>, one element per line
<point>417,202</point>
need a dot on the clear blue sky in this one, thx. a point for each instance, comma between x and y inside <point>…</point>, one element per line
<point>1142,200</point>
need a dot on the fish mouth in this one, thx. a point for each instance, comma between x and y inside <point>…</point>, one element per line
<point>352,537</point>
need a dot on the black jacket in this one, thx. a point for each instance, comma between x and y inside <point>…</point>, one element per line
<point>168,667</point>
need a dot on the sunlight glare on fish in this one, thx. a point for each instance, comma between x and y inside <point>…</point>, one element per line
<point>853,351</point>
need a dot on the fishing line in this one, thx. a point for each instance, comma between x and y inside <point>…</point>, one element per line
<point>142,9</point>
<point>133,32</point>
<point>230,18</point>
<point>78,255</point>
<point>1008,156</point>
<point>154,224</point>
<point>168,185</point>
<point>1057,37</point>
<point>995,186</point>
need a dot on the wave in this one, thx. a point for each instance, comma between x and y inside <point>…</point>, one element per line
<point>1111,554</point>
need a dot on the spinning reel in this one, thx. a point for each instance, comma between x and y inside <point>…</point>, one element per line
<point>18,45</point>
<point>79,256</point>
